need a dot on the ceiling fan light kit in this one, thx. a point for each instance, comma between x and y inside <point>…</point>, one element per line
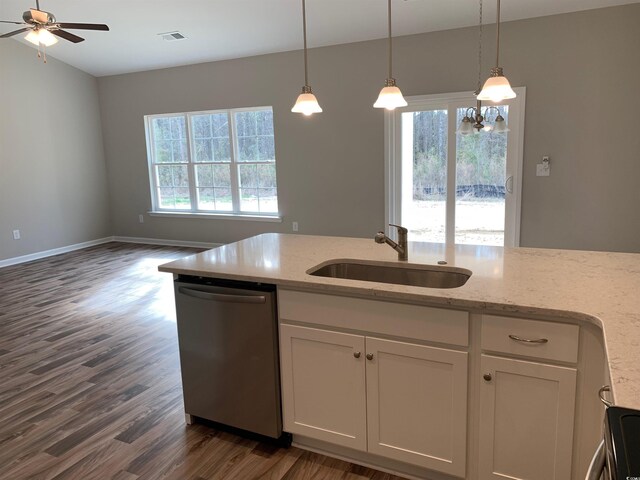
<point>41,36</point>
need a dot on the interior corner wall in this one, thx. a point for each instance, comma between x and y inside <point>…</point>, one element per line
<point>580,70</point>
<point>53,185</point>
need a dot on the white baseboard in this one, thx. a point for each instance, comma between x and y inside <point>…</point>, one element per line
<point>70,248</point>
<point>170,243</point>
<point>54,251</point>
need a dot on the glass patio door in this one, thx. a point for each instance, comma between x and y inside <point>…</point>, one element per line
<point>449,188</point>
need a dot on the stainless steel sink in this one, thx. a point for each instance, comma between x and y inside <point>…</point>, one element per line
<point>410,274</point>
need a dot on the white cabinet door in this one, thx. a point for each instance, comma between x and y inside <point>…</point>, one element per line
<point>417,404</point>
<point>323,385</point>
<point>526,420</point>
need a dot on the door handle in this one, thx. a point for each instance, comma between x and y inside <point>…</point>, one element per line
<point>508,184</point>
<point>221,297</point>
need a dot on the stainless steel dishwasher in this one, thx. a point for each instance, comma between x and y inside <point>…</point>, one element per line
<point>228,337</point>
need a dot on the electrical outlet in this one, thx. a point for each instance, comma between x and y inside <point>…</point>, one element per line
<point>294,226</point>
<point>141,218</point>
<point>16,234</point>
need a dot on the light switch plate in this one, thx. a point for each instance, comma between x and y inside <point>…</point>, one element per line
<point>542,170</point>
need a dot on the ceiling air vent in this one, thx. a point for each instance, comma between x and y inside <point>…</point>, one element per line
<point>172,36</point>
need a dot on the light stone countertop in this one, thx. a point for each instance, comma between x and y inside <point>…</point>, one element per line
<point>598,287</point>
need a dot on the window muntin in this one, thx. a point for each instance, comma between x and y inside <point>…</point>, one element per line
<point>213,162</point>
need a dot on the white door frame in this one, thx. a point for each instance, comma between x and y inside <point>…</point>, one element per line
<point>451,101</point>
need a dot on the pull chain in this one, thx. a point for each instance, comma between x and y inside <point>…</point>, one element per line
<point>42,52</point>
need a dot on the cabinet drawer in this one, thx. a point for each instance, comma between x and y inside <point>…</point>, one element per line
<point>373,316</point>
<point>510,335</point>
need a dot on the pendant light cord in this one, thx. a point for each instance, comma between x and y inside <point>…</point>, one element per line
<point>480,50</point>
<point>304,34</point>
<point>390,43</point>
<point>498,36</point>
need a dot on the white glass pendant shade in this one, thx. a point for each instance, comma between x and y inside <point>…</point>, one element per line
<point>496,88</point>
<point>41,36</point>
<point>390,96</point>
<point>306,103</point>
<point>466,126</point>
<point>500,125</point>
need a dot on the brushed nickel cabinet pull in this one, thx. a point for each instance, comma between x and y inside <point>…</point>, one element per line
<point>527,340</point>
<point>605,388</point>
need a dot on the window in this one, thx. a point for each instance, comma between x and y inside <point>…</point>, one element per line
<point>449,188</point>
<point>220,162</point>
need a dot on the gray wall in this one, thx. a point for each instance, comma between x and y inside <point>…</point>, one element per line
<point>52,170</point>
<point>581,72</point>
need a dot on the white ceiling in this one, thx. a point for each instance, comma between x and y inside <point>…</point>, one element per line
<point>223,29</point>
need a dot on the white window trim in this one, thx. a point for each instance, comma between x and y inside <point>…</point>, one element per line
<point>393,158</point>
<point>235,184</point>
<point>217,216</point>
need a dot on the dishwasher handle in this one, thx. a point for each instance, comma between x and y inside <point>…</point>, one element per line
<point>221,297</point>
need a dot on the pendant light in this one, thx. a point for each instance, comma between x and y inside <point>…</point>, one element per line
<point>390,96</point>
<point>306,103</point>
<point>497,87</point>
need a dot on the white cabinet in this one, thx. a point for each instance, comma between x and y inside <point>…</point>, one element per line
<point>323,385</point>
<point>417,404</point>
<point>414,408</point>
<point>391,380</point>
<point>526,420</point>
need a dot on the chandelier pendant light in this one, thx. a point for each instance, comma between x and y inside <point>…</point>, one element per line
<point>390,96</point>
<point>497,87</point>
<point>474,116</point>
<point>306,103</point>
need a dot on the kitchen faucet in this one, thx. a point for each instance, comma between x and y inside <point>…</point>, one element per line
<point>400,247</point>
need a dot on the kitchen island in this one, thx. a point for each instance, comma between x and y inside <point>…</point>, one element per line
<point>598,290</point>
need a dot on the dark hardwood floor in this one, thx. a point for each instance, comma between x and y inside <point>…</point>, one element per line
<point>90,379</point>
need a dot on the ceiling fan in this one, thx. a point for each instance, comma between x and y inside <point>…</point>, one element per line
<point>42,26</point>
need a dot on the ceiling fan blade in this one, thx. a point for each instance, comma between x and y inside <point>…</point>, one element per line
<point>15,32</point>
<point>15,23</point>
<point>67,36</point>
<point>84,26</point>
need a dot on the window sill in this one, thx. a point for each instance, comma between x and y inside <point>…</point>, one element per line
<point>218,216</point>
